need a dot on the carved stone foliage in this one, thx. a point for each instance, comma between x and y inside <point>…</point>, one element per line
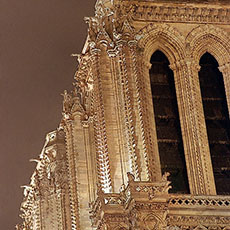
<point>79,99</point>
<point>110,24</point>
<point>84,77</point>
<point>72,103</point>
<point>49,178</point>
<point>124,34</point>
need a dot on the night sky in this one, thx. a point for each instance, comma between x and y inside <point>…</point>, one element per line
<point>37,38</point>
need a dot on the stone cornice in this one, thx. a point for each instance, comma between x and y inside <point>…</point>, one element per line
<point>159,11</point>
<point>213,2</point>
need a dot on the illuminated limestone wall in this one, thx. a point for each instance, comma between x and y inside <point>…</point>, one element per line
<point>110,154</point>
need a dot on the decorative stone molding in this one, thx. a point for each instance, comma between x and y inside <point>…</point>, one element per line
<point>164,37</point>
<point>111,105</point>
<point>170,41</point>
<point>125,78</point>
<point>146,172</point>
<point>48,182</point>
<point>71,170</point>
<point>217,202</point>
<point>182,60</point>
<point>209,38</point>
<point>161,12</point>
<point>103,165</point>
<point>214,40</point>
<point>195,140</point>
<point>198,222</point>
<point>139,204</point>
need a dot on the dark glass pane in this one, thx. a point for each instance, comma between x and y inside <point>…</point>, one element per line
<point>217,121</point>
<point>168,128</point>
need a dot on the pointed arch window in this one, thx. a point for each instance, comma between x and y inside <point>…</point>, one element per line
<point>217,121</point>
<point>168,128</point>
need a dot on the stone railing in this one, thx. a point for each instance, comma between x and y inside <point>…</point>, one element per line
<point>221,202</point>
<point>153,197</point>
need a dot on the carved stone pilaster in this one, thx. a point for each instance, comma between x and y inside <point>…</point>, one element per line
<point>196,148</point>
<point>126,81</point>
<point>101,144</point>
<point>142,140</point>
<point>149,149</point>
<point>72,180</point>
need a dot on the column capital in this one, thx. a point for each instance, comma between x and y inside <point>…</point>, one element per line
<point>183,63</point>
<point>225,68</point>
<point>147,64</point>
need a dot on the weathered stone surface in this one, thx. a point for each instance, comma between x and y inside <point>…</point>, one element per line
<point>101,169</point>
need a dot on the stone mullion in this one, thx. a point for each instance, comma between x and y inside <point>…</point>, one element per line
<point>181,82</point>
<point>194,134</point>
<point>129,116</point>
<point>146,112</point>
<point>103,167</point>
<point>201,130</point>
<point>68,128</point>
<point>206,163</point>
<point>146,151</point>
<point>225,69</point>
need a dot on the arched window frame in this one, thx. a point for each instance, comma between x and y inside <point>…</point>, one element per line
<point>167,149</point>
<point>215,41</point>
<point>184,61</point>
<point>216,76</point>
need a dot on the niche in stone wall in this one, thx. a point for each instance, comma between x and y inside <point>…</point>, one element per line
<point>168,128</point>
<point>217,121</point>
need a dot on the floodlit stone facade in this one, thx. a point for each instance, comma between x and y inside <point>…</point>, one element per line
<point>103,168</point>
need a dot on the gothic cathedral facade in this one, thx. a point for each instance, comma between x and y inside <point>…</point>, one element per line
<point>144,141</point>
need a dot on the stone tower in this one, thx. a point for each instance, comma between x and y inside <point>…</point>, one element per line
<point>144,142</point>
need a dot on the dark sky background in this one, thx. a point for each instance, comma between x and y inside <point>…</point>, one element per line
<point>37,38</point>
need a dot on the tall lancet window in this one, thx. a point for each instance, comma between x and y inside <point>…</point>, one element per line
<point>168,128</point>
<point>217,121</point>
